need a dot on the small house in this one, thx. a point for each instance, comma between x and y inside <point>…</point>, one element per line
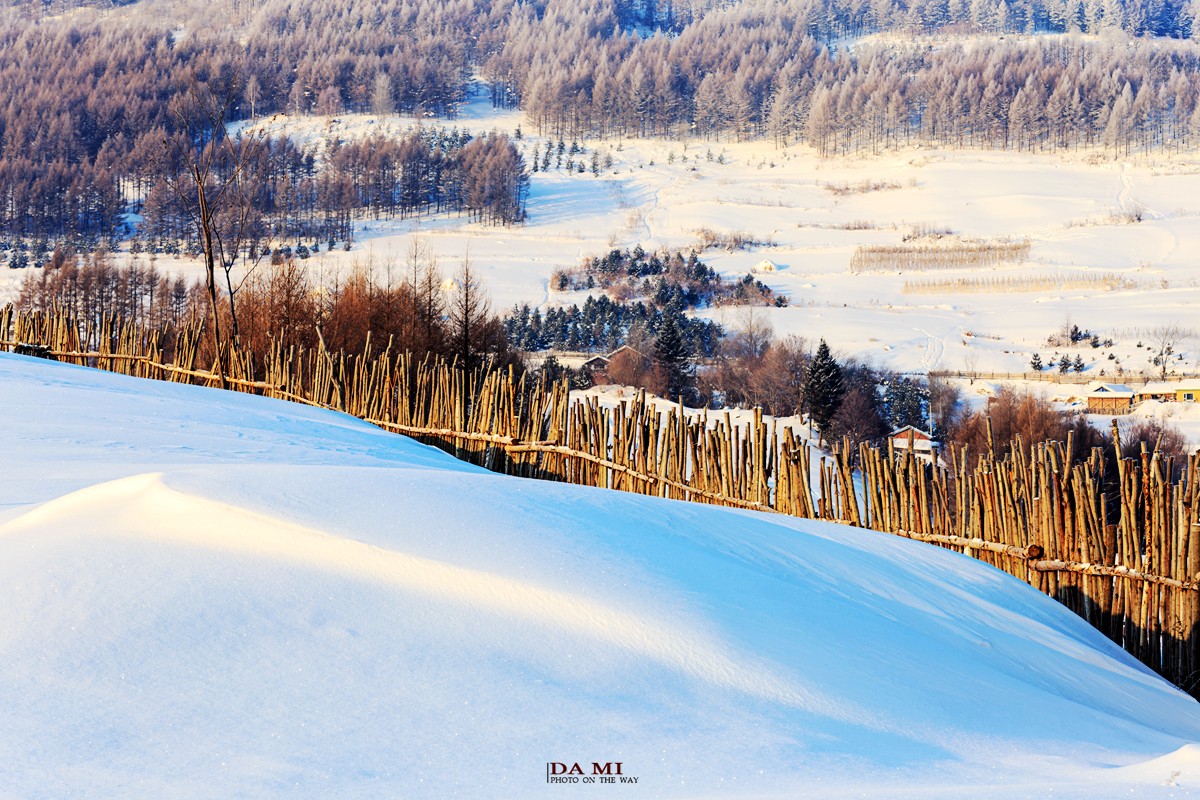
<point>1187,391</point>
<point>595,364</point>
<point>1170,391</point>
<point>1162,391</point>
<point>624,349</point>
<point>1110,398</point>
<point>922,441</point>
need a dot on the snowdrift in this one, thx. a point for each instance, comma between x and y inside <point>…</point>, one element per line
<point>214,595</point>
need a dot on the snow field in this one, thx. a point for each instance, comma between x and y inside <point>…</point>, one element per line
<point>216,594</point>
<point>1077,209</point>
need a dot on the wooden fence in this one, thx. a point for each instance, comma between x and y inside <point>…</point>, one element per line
<point>1052,375</point>
<point>1117,541</point>
<point>937,255</point>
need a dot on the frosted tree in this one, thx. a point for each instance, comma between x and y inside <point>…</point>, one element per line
<point>381,94</point>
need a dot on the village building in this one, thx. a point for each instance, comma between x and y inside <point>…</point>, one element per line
<point>1187,391</point>
<point>923,445</point>
<point>624,349</point>
<point>1163,391</point>
<point>1110,398</point>
<point>595,364</point>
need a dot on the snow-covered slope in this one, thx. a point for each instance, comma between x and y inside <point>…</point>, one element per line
<point>214,595</point>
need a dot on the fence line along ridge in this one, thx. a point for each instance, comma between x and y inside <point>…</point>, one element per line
<point>1119,545</point>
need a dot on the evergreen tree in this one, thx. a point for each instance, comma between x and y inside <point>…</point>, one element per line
<point>671,355</point>
<point>1036,362</point>
<point>905,402</point>
<point>553,371</point>
<point>1077,364</point>
<point>825,387</point>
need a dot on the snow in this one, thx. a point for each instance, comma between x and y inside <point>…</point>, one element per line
<point>808,214</point>
<point>1076,208</point>
<point>209,594</point>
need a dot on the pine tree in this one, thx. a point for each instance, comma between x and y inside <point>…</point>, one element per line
<point>825,387</point>
<point>1036,362</point>
<point>905,402</point>
<point>1077,364</point>
<point>671,354</point>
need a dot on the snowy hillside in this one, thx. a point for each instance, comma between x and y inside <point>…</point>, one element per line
<point>1111,242</point>
<point>215,595</point>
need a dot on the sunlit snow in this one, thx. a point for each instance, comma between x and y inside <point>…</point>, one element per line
<point>217,595</point>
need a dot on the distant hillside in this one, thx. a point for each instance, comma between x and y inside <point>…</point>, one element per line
<point>104,103</point>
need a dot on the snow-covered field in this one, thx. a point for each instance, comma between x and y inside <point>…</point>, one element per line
<point>1076,210</point>
<point>1079,212</point>
<point>217,595</point>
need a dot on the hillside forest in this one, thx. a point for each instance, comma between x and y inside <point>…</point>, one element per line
<point>107,105</point>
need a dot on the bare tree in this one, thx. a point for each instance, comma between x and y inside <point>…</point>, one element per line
<point>744,374</point>
<point>971,365</point>
<point>752,333</point>
<point>1165,339</point>
<point>424,329</point>
<point>469,311</point>
<point>945,406</point>
<point>211,181</point>
<point>381,94</point>
<point>252,93</point>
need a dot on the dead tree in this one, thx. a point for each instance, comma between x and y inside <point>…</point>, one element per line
<point>210,173</point>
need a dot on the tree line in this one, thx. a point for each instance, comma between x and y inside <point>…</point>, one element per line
<point>777,69</point>
<point>93,115</point>
<point>601,325</point>
<point>88,95</point>
<point>408,307</point>
<point>314,193</point>
<point>297,193</point>
<point>662,278</point>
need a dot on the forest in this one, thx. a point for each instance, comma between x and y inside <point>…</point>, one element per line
<point>294,196</point>
<point>601,325</point>
<point>92,122</point>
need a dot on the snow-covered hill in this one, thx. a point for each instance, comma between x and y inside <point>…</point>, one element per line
<point>1111,242</point>
<point>215,595</point>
